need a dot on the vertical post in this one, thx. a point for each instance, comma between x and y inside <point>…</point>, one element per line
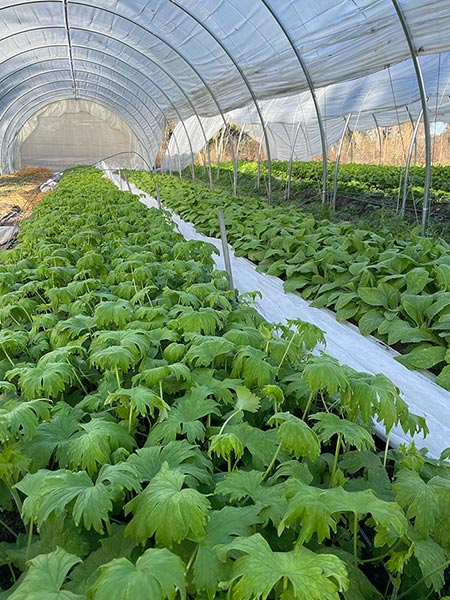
<point>158,196</point>
<point>336,163</point>
<point>258,172</point>
<point>426,117</point>
<point>408,164</point>
<point>380,140</point>
<point>235,170</point>
<point>219,154</point>
<point>123,176</point>
<point>226,252</point>
<point>291,158</point>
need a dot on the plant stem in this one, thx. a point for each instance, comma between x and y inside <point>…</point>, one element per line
<point>436,570</point>
<point>308,406</point>
<point>13,575</point>
<point>15,495</point>
<point>386,448</point>
<point>324,403</point>
<point>108,528</point>
<point>191,559</point>
<point>30,539</point>
<point>41,298</point>
<point>283,358</point>
<point>336,458</point>
<point>355,536</point>
<point>272,462</point>
<point>117,377</point>
<point>275,410</point>
<point>161,391</point>
<point>130,418</point>
<point>8,528</point>
<point>382,556</point>
<point>27,313</point>
<point>80,382</point>
<point>7,356</point>
<point>234,413</point>
<point>15,320</point>
<point>235,464</point>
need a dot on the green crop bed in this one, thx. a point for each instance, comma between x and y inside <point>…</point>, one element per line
<point>375,181</point>
<point>395,287</point>
<point>160,440</point>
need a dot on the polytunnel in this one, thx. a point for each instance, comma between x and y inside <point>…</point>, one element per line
<point>190,60</point>
<point>224,378</point>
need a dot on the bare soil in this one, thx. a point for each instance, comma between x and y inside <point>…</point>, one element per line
<point>21,190</point>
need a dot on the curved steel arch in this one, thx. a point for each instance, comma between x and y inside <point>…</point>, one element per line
<point>83,71</point>
<point>80,71</point>
<point>425,114</point>
<point>380,141</point>
<point>137,108</point>
<point>117,40</point>
<point>23,117</point>
<point>106,102</point>
<point>183,58</point>
<point>17,114</point>
<point>105,99</point>
<point>39,29</point>
<point>163,93</point>
<point>147,95</point>
<point>247,85</point>
<point>306,73</point>
<point>83,59</point>
<point>150,32</point>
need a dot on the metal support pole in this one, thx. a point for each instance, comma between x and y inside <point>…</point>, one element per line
<point>258,171</point>
<point>338,158</point>
<point>426,116</point>
<point>380,140</point>
<point>408,164</point>
<point>169,158</point>
<point>235,170</point>
<point>220,150</point>
<point>244,78</point>
<point>291,159</point>
<point>323,136</point>
<point>225,248</point>
<point>412,133</point>
<point>158,196</point>
<point>178,151</point>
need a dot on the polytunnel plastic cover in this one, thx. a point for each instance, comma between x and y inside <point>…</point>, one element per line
<point>162,60</point>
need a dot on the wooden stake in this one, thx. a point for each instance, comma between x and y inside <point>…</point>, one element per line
<point>226,253</point>
<point>158,196</point>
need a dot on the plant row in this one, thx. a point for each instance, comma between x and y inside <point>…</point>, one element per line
<point>395,287</point>
<point>376,181</point>
<point>159,439</point>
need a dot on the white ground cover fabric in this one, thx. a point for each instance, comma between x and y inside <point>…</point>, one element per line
<point>344,341</point>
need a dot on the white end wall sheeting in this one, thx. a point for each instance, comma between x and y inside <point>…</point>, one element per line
<point>71,132</point>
